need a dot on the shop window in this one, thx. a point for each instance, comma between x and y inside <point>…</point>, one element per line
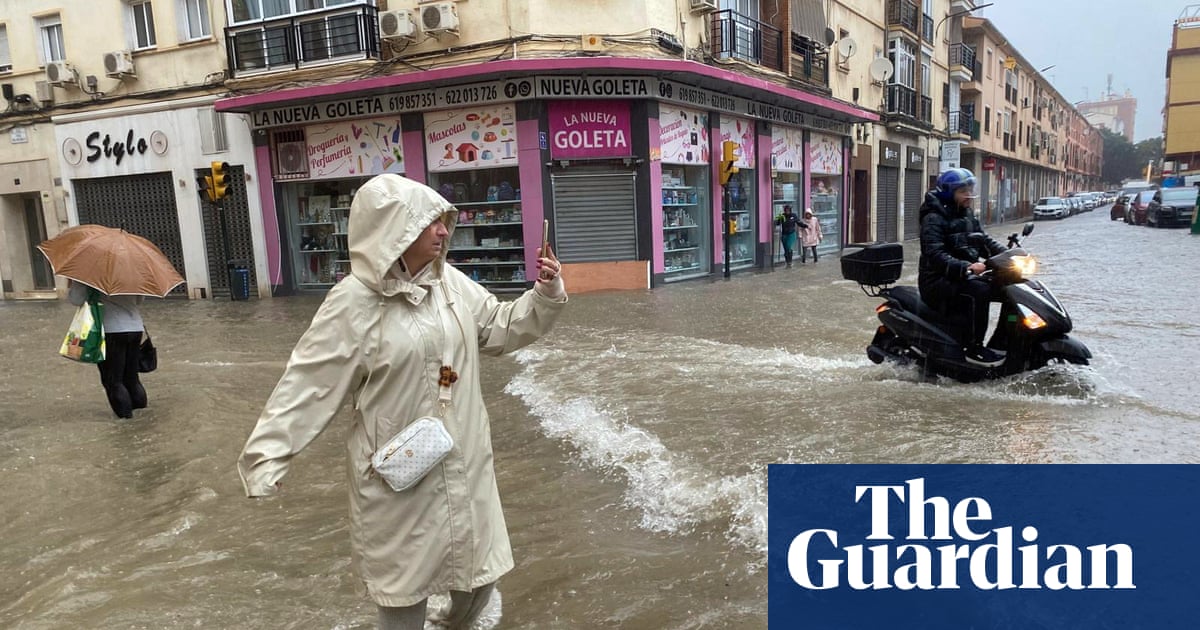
<point>685,230</point>
<point>319,217</point>
<point>488,243</point>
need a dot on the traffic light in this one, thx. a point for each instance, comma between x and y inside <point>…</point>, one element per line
<point>729,156</point>
<point>204,186</point>
<point>220,181</point>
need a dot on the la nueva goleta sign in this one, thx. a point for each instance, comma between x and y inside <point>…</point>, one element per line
<point>540,87</point>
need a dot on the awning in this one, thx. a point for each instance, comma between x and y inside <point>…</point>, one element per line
<point>808,20</point>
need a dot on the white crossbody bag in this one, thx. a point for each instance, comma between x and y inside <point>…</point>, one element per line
<point>406,458</point>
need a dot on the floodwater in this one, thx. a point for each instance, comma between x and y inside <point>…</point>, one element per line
<point>631,443</point>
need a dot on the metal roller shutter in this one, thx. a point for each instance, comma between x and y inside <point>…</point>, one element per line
<point>241,243</point>
<point>888,208</point>
<point>141,204</point>
<point>914,194</point>
<point>595,217</point>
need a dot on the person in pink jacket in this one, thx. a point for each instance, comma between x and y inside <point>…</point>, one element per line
<point>810,236</point>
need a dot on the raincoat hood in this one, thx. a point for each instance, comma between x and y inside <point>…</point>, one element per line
<point>387,215</point>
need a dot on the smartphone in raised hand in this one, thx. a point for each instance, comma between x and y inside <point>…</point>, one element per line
<point>545,237</point>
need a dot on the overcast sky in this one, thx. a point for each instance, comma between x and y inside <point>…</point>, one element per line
<point>1085,40</point>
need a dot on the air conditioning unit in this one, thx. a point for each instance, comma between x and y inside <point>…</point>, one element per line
<point>291,158</point>
<point>44,92</point>
<point>397,25</point>
<point>704,6</point>
<point>439,18</point>
<point>59,73</point>
<point>119,63</point>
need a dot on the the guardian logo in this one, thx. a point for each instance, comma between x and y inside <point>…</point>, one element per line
<point>947,546</point>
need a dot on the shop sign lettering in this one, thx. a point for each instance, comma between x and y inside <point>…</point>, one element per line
<point>580,129</point>
<point>603,87</point>
<point>98,148</point>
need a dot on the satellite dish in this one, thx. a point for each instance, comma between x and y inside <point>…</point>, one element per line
<point>847,47</point>
<point>881,69</point>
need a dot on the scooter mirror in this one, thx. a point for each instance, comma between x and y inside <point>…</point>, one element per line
<point>1028,229</point>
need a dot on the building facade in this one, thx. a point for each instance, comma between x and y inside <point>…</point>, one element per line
<point>1181,116</point>
<point>608,120</point>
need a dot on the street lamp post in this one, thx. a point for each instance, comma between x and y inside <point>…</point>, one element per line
<point>956,14</point>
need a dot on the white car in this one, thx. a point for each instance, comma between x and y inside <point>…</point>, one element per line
<point>1051,208</point>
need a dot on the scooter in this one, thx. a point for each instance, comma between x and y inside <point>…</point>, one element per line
<point>1032,330</point>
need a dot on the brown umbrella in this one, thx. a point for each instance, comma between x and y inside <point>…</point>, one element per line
<point>111,260</point>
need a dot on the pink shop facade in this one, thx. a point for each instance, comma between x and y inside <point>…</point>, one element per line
<point>620,155</point>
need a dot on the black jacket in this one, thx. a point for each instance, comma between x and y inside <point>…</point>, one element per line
<point>947,244</point>
<point>788,223</point>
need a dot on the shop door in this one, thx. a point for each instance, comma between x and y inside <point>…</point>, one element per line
<point>914,194</point>
<point>141,204</point>
<point>861,203</point>
<point>237,224</point>
<point>35,230</point>
<point>595,217</point>
<point>888,208</point>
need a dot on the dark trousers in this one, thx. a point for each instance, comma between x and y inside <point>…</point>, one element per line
<point>966,302</point>
<point>804,253</point>
<point>119,373</point>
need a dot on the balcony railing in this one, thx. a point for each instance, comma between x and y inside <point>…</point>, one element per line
<point>298,40</point>
<point>903,13</point>
<point>961,123</point>
<point>810,62</point>
<point>962,55</point>
<point>901,100</point>
<point>737,36</point>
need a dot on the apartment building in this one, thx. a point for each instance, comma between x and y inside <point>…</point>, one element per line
<point>109,120</point>
<point>1181,116</point>
<point>609,120</point>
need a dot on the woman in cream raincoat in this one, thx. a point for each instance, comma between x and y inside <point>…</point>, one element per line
<point>380,338</point>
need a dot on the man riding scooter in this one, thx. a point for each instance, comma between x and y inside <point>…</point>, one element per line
<point>952,245</point>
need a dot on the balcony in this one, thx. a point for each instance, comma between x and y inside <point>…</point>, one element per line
<point>904,106</point>
<point>962,125</point>
<point>962,62</point>
<point>903,14</point>
<point>810,62</point>
<point>736,36</point>
<point>295,41</point>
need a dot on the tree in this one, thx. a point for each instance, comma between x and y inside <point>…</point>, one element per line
<point>1150,150</point>
<point>1120,158</point>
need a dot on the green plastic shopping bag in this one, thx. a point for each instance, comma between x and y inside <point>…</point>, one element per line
<point>85,338</point>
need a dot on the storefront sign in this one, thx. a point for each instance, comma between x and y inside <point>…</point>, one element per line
<point>398,103</point>
<point>989,163</point>
<point>104,146</point>
<point>542,87</point>
<point>708,99</point>
<point>916,159</point>
<point>683,135</point>
<point>889,154</point>
<point>467,139</point>
<point>354,148</point>
<point>787,149</point>
<point>825,154</point>
<point>741,131</point>
<point>589,129</point>
<point>18,135</point>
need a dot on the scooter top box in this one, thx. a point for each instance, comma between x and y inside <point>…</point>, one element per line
<point>876,264</point>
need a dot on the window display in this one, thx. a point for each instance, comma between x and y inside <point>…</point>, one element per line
<point>318,219</point>
<point>685,230</point>
<point>825,194</point>
<point>488,242</point>
<point>742,202</point>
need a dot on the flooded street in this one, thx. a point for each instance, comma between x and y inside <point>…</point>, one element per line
<point>631,443</point>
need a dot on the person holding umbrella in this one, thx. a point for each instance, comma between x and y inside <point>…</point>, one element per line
<point>123,330</point>
<point>121,269</point>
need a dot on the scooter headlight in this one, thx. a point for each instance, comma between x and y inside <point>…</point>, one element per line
<point>1031,320</point>
<point>1025,266</point>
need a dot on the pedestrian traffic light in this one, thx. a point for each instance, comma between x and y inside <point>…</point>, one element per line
<point>729,156</point>
<point>220,180</point>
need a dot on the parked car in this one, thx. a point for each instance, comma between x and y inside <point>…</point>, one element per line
<point>1172,207</point>
<point>1138,204</point>
<point>1117,212</point>
<point>1051,208</point>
